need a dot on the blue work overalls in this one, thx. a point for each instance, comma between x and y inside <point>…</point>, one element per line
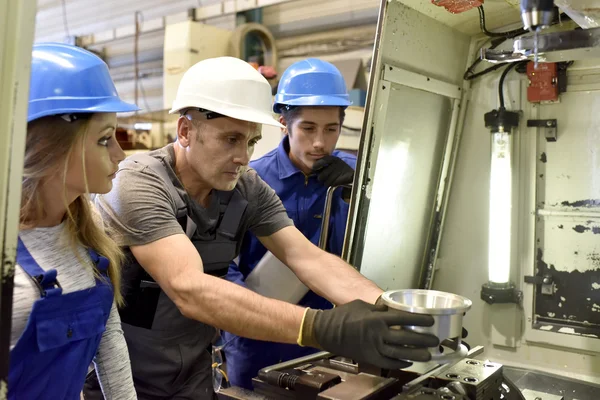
<point>304,199</point>
<point>62,335</point>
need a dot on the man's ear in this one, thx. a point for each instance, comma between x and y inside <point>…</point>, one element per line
<point>184,130</point>
<point>283,122</point>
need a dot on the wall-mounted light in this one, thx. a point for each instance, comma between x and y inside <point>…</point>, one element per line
<point>499,288</point>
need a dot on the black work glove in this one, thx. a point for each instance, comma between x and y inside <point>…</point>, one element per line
<point>465,333</point>
<point>453,344</point>
<point>363,332</point>
<point>333,171</point>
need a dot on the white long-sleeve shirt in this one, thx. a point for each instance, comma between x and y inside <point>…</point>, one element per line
<point>50,248</point>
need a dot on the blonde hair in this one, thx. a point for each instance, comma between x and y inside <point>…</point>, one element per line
<point>49,146</point>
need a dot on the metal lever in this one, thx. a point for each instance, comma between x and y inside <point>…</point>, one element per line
<point>326,214</point>
<point>549,126</point>
<point>545,281</point>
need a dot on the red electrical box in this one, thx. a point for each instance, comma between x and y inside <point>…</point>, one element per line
<point>543,82</point>
<point>458,6</point>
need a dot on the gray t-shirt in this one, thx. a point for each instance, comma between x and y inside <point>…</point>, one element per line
<point>140,210</point>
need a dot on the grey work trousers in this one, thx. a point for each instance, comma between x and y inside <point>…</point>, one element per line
<point>177,368</point>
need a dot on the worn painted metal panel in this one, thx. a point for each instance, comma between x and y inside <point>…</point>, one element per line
<point>570,165</point>
<point>568,224</point>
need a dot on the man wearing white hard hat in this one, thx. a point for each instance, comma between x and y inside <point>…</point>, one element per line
<point>181,213</point>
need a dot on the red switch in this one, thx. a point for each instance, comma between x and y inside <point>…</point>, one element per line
<point>458,6</point>
<point>543,82</point>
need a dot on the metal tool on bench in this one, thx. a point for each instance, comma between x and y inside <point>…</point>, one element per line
<point>323,376</point>
<point>452,375</point>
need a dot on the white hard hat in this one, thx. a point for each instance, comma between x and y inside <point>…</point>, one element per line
<point>227,86</point>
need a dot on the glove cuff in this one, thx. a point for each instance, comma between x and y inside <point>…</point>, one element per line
<point>306,336</point>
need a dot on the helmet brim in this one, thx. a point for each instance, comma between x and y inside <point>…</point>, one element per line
<point>65,106</point>
<point>312,101</point>
<point>240,113</point>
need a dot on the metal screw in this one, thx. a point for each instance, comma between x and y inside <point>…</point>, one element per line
<point>548,123</point>
<point>538,398</point>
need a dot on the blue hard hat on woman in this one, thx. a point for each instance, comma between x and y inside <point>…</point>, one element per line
<point>311,82</point>
<point>67,79</point>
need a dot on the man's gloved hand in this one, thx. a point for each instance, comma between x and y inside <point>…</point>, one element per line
<point>453,344</point>
<point>465,333</point>
<point>333,171</point>
<point>363,332</point>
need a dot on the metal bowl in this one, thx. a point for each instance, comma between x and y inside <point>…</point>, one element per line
<point>430,302</point>
<point>447,310</point>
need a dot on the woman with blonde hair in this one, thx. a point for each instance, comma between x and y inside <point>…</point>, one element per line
<point>67,279</point>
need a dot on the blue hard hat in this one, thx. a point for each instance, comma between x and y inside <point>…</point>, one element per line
<point>67,79</point>
<point>311,82</point>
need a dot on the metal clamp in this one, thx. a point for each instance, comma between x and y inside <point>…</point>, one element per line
<point>576,39</point>
<point>445,358</point>
<point>416,383</point>
<point>294,363</point>
<point>501,56</point>
<point>546,281</point>
<point>576,44</point>
<point>550,127</point>
<point>493,293</point>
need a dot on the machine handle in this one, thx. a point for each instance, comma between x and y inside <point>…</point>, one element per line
<point>326,214</point>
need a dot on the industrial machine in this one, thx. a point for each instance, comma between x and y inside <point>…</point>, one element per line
<point>552,39</point>
<point>477,175</point>
<point>465,184</point>
<point>488,170</point>
<point>453,373</point>
<point>326,377</point>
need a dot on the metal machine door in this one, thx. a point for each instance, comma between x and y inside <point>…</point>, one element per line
<point>408,143</point>
<point>567,270</point>
<point>412,130</point>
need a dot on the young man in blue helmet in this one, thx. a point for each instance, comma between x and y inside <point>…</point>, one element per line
<point>311,100</point>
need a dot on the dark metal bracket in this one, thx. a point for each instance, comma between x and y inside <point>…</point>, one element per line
<point>550,127</point>
<point>501,294</point>
<point>546,282</point>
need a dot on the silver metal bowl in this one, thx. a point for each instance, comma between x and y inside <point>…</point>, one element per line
<point>447,310</point>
